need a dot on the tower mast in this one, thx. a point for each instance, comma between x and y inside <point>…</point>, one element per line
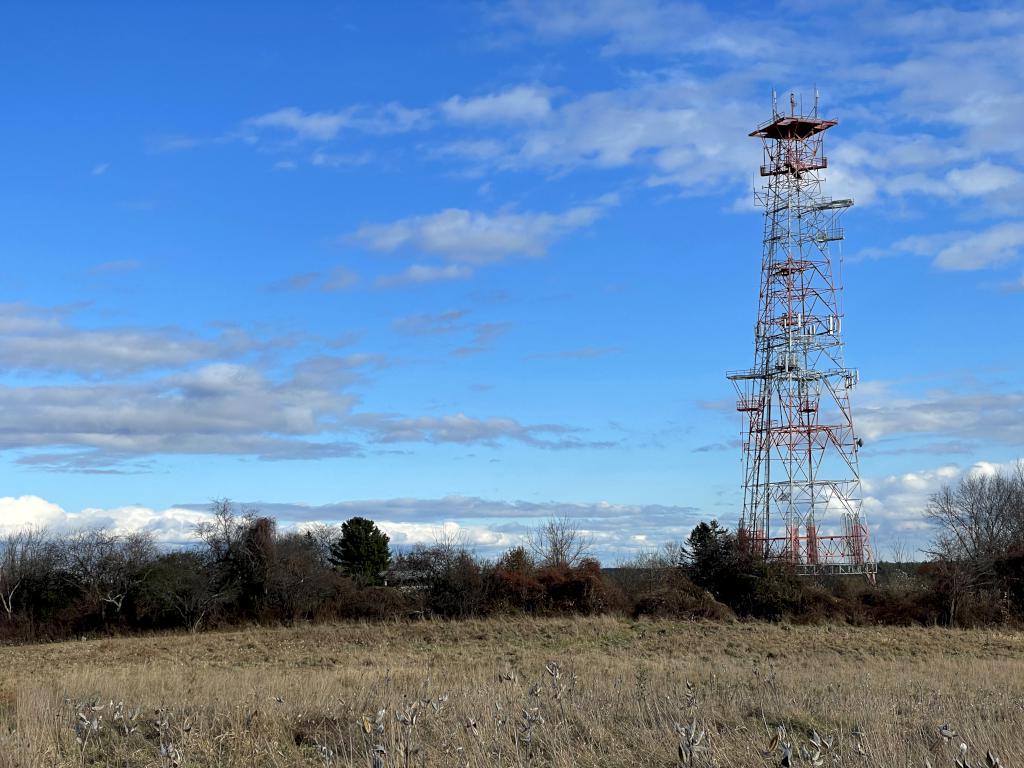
<point>802,497</point>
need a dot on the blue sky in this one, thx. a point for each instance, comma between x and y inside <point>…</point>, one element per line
<point>483,263</point>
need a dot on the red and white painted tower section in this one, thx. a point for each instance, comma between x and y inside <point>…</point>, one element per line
<point>802,492</point>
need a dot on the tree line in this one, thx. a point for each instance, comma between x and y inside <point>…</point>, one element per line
<point>243,569</point>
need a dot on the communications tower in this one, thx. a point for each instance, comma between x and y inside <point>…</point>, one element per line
<point>802,501</point>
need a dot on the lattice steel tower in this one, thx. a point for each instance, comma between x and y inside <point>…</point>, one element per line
<point>801,478</point>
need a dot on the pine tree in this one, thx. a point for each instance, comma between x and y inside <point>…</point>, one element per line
<point>361,551</point>
<point>709,555</point>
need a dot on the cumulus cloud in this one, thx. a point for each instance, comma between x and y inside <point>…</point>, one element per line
<point>466,430</point>
<point>658,125</point>
<point>641,26</point>
<point>522,102</point>
<point>960,250</point>
<point>481,336</point>
<point>960,81</point>
<point>996,245</point>
<point>323,126</point>
<point>484,336</point>
<point>983,179</point>
<point>337,279</point>
<point>959,84</point>
<point>486,526</point>
<point>305,125</point>
<point>895,504</point>
<point>171,526</point>
<point>335,160</point>
<point>989,416</point>
<point>426,273</point>
<point>307,411</point>
<point>469,237</point>
<point>39,339</point>
<point>432,323</point>
<point>731,445</point>
<point>580,353</point>
<point>220,408</point>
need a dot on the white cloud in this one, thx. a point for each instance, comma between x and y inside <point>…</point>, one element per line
<point>984,178</point>
<point>642,26</point>
<point>432,323</point>
<point>962,250</point>
<point>335,160</point>
<point>100,168</point>
<point>324,126</point>
<point>474,537</point>
<point>659,124</point>
<point>580,353</point>
<point>991,247</point>
<point>481,336</point>
<point>470,237</point>
<point>306,125</point>
<point>487,526</point>
<point>466,430</point>
<point>18,513</point>
<point>337,279</point>
<point>484,336</point>
<point>894,505</point>
<point>477,150</point>
<point>523,102</point>
<point>38,339</point>
<point>991,416</point>
<point>892,174</point>
<point>173,525</point>
<point>235,409</point>
<point>426,273</point>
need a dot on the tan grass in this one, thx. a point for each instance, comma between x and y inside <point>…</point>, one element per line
<point>479,693</point>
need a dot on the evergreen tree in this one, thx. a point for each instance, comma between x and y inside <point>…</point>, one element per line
<point>362,551</point>
<point>709,556</point>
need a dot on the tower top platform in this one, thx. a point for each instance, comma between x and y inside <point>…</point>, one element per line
<point>792,127</point>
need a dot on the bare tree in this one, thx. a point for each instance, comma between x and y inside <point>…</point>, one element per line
<point>301,578</point>
<point>979,522</point>
<point>225,532</point>
<point>106,566</point>
<point>179,584</point>
<point>321,536</point>
<point>19,554</point>
<point>559,542</point>
<point>980,518</point>
<point>241,554</point>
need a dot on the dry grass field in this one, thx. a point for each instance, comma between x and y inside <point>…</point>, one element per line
<point>525,692</point>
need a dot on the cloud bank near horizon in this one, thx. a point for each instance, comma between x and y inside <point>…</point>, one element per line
<point>894,505</point>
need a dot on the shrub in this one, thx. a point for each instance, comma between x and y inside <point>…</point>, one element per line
<point>674,596</point>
